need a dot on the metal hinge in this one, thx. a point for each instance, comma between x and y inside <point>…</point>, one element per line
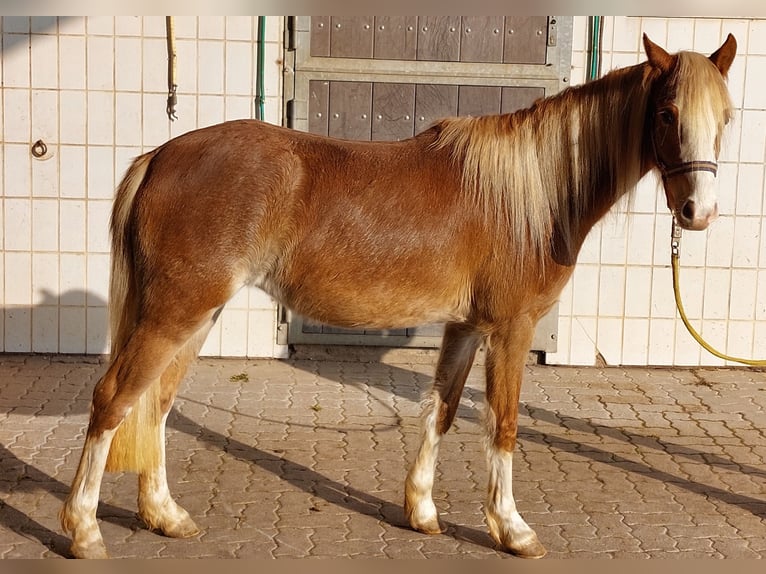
<point>552,31</point>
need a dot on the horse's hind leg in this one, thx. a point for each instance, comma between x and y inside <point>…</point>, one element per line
<point>133,370</point>
<point>156,506</point>
<point>457,353</point>
<point>506,352</point>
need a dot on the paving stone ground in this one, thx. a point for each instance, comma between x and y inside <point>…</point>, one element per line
<point>305,458</point>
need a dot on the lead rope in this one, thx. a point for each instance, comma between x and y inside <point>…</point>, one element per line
<point>675,256</point>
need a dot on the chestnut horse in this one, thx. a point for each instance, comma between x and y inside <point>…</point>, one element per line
<point>476,222</point>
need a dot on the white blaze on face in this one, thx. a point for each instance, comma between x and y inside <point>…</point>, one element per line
<point>699,132</point>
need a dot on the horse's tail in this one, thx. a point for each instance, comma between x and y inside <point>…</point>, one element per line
<point>136,445</point>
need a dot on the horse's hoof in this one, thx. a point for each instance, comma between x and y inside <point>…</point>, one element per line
<point>531,549</point>
<point>434,526</point>
<point>90,551</point>
<point>184,529</point>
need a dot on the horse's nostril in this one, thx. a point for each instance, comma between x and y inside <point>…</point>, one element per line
<point>688,210</point>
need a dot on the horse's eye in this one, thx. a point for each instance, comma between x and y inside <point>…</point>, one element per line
<point>667,117</point>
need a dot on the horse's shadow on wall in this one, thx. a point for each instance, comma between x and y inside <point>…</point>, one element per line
<point>72,398</point>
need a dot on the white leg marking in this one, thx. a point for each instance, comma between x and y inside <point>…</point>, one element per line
<point>418,499</point>
<point>505,523</point>
<point>155,504</point>
<point>78,515</point>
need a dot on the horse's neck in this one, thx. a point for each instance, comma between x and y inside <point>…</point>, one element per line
<point>611,154</point>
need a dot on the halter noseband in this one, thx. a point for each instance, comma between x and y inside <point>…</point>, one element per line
<point>669,171</point>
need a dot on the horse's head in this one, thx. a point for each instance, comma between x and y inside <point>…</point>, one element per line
<point>688,110</point>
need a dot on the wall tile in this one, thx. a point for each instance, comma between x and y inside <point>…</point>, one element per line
<point>638,292</point>
<point>585,284</point>
<point>16,70</point>
<point>212,27</point>
<point>45,225</point>
<point>611,291</point>
<point>753,136</point>
<point>211,67</point>
<point>127,25</point>
<point>18,224</point>
<point>582,348</point>
<point>687,351</point>
<point>98,225</point>
<point>755,98</point>
<point>740,342</point>
<point>100,118</point>
<point>234,332</point>
<point>127,75</point>
<point>692,289</point>
<point>661,341</point>
<point>100,25</point>
<point>72,175</point>
<point>186,66</point>
<point>261,333</point>
<point>96,329</point>
<point>610,339</point>
<point>44,25</point>
<point>210,110</point>
<point>100,172</point>
<point>714,332</point>
<point>72,63</point>
<point>747,232</point>
<point>100,63</point>
<point>258,299</point>
<point>18,328</point>
<point>155,65</point>
<point>72,229</point>
<point>635,342</point>
<point>707,35</point>
<point>757,38</point>
<point>640,228</point>
<point>45,114</point>
<point>720,242</point>
<point>44,58</point>
<point>212,345</point>
<point>123,158</point>
<point>185,26</point>
<point>72,331</point>
<point>72,279</point>
<point>45,330</point>
<point>16,24</point>
<point>240,28</point>
<point>73,121</point>
<point>750,189</point>
<point>680,34</point>
<point>127,129</point>
<point>17,120</point>
<point>239,69</point>
<point>238,107</point>
<point>717,286</point>
<point>18,279</point>
<point>97,280</point>
<point>45,278</point>
<point>71,25</point>
<point>154,26</point>
<point>155,120</point>
<point>45,176</point>
<point>760,300</point>
<point>626,34</point>
<point>656,29</point>
<point>744,293</point>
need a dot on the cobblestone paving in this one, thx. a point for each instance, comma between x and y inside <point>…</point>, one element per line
<point>307,458</point>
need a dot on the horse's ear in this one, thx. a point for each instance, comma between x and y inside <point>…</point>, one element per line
<point>724,56</point>
<point>658,57</point>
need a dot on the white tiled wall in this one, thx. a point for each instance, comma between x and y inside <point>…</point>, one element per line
<point>619,303</point>
<point>94,90</point>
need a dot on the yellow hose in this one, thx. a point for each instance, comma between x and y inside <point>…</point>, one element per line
<point>675,259</point>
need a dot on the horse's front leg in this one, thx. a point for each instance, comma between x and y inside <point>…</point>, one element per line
<point>506,353</point>
<point>455,359</point>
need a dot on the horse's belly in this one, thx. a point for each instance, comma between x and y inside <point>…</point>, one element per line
<point>345,300</point>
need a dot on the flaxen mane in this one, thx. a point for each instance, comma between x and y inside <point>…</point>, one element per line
<point>546,163</point>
